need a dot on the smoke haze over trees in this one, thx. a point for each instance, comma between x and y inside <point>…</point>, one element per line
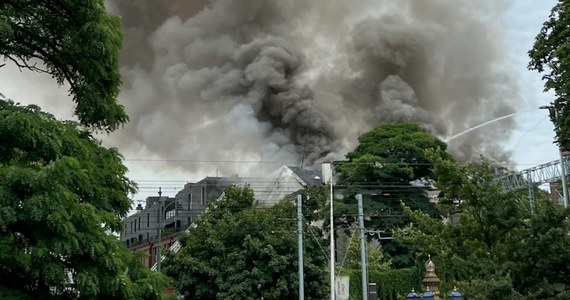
<point>272,81</point>
<point>300,80</point>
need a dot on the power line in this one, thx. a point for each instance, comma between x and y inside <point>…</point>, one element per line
<point>295,163</point>
<point>206,161</point>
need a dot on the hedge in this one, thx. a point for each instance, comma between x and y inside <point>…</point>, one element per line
<point>391,284</point>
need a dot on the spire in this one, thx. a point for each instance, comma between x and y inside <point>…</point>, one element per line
<point>430,267</point>
<point>431,281</point>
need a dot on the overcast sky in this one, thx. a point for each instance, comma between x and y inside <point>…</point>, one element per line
<point>531,142</point>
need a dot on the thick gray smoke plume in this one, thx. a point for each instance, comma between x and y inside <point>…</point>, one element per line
<point>300,80</point>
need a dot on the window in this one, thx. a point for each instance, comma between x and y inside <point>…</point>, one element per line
<point>171,213</point>
<point>148,220</point>
<point>203,195</point>
<point>139,223</point>
<point>190,201</point>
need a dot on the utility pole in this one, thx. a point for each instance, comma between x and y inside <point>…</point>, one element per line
<point>158,258</point>
<point>332,240</point>
<point>300,246</point>
<point>563,166</point>
<point>362,248</point>
<point>327,173</point>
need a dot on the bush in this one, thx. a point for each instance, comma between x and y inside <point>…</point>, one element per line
<point>390,284</point>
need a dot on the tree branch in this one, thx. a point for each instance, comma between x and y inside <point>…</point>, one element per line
<point>22,64</point>
<point>48,58</point>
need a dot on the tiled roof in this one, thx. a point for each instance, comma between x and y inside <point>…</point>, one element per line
<point>309,177</point>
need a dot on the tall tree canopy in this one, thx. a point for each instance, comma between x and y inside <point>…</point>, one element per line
<point>550,55</point>
<point>61,193</point>
<point>491,245</point>
<point>239,252</point>
<point>384,166</point>
<point>391,153</point>
<point>76,42</point>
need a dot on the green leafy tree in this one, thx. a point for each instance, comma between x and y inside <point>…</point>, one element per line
<point>61,193</point>
<point>550,56</point>
<point>239,252</point>
<point>384,166</point>
<point>397,151</point>
<point>77,43</point>
<point>375,260</point>
<point>491,246</point>
<point>540,264</point>
<point>314,202</point>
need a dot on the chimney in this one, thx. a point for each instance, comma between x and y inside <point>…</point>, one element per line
<point>139,207</point>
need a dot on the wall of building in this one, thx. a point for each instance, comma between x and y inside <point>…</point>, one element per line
<point>141,229</point>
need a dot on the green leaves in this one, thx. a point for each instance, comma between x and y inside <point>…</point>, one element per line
<point>60,192</point>
<point>397,149</point>
<point>238,251</point>
<point>550,55</point>
<point>78,44</point>
<point>384,165</point>
<point>489,243</point>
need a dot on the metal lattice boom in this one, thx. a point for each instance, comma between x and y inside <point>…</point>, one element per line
<point>537,175</point>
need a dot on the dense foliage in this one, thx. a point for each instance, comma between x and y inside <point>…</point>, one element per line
<point>351,260</point>
<point>491,246</point>
<point>237,251</point>
<point>61,193</point>
<point>76,42</point>
<point>389,166</point>
<point>390,284</point>
<point>550,55</point>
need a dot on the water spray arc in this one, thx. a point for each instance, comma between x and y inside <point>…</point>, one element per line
<point>448,139</point>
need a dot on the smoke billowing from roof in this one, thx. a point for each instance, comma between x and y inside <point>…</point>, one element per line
<point>300,80</point>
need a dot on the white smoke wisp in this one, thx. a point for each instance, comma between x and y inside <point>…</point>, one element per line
<point>232,80</point>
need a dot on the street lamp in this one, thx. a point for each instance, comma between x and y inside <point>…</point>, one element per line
<point>554,114</point>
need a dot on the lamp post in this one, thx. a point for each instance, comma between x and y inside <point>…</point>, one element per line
<point>554,114</point>
<point>159,229</point>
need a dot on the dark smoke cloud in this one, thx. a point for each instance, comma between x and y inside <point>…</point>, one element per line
<point>300,80</point>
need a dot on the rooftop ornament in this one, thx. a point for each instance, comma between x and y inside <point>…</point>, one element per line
<point>413,295</point>
<point>429,295</point>
<point>431,281</point>
<point>456,295</point>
